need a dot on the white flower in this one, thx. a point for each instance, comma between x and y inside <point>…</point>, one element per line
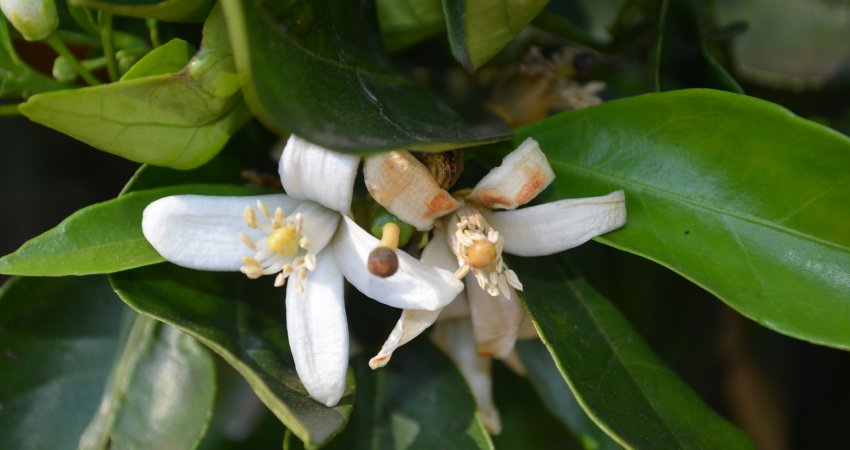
<point>304,237</point>
<point>473,244</point>
<point>34,19</point>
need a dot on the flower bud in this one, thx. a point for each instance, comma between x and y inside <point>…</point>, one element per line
<point>62,71</point>
<point>34,19</point>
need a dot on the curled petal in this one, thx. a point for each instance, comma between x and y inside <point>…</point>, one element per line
<point>403,185</point>
<point>312,172</point>
<point>203,232</point>
<point>524,173</point>
<point>319,225</point>
<point>438,254</point>
<point>411,324</point>
<point>496,320</point>
<point>414,286</point>
<point>318,331</point>
<point>456,339</point>
<point>557,226</point>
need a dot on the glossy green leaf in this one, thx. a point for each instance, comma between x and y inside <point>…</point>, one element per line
<point>556,395</point>
<point>736,194</point>
<point>179,120</point>
<point>243,321</point>
<point>419,401</point>
<point>615,376</point>
<point>167,10</point>
<point>478,29</point>
<point>408,22</point>
<point>160,394</point>
<point>317,69</point>
<point>682,59</point>
<point>102,238</point>
<point>167,58</point>
<point>58,337</point>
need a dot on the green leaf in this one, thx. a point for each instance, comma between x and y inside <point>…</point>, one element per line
<point>243,321</point>
<point>419,401</point>
<point>408,22</point>
<point>102,238</point>
<point>58,337</point>
<point>682,59</point>
<point>179,120</point>
<point>556,395</point>
<point>618,380</point>
<point>478,29</point>
<point>167,58</point>
<point>167,10</point>
<point>160,394</point>
<point>736,194</point>
<point>317,69</point>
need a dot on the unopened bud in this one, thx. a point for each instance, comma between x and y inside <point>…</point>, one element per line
<point>34,19</point>
<point>62,71</point>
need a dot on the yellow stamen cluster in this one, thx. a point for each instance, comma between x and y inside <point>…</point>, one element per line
<point>478,248</point>
<point>284,250</point>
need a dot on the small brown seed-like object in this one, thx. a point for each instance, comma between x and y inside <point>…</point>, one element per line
<point>382,262</point>
<point>445,167</point>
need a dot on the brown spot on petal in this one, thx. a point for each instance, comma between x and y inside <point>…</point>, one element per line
<point>440,204</point>
<point>493,200</point>
<point>537,181</point>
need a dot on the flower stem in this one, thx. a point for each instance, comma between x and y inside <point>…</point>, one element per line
<point>104,21</point>
<point>154,31</point>
<point>59,47</point>
<point>10,109</point>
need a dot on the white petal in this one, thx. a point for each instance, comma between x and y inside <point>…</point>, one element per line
<point>403,185</point>
<point>318,331</point>
<point>554,227</point>
<point>456,339</point>
<point>202,232</point>
<point>438,254</point>
<point>524,173</point>
<point>414,286</point>
<point>312,172</point>
<point>319,225</point>
<point>496,320</point>
<point>411,324</point>
<point>527,329</point>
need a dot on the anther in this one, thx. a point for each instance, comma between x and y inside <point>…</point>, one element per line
<point>265,212</point>
<point>247,241</point>
<point>250,217</point>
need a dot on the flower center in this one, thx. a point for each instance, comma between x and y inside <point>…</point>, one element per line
<point>478,248</point>
<point>284,249</point>
<point>284,240</point>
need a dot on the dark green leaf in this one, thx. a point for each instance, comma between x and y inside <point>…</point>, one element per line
<point>243,321</point>
<point>407,22</point>
<point>526,424</point>
<point>168,10</point>
<point>558,398</point>
<point>682,59</point>
<point>317,69</point>
<point>179,120</point>
<point>102,238</point>
<point>167,58</point>
<point>736,194</point>
<point>160,394</point>
<point>624,387</point>
<point>58,338</point>
<point>418,401</point>
<point>478,29</point>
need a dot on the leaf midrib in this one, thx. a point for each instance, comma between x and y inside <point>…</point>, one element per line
<point>673,196</point>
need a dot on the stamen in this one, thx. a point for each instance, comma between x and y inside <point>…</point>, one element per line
<point>478,248</point>
<point>250,217</point>
<point>263,210</point>
<point>247,241</point>
<point>277,221</point>
<point>280,279</point>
